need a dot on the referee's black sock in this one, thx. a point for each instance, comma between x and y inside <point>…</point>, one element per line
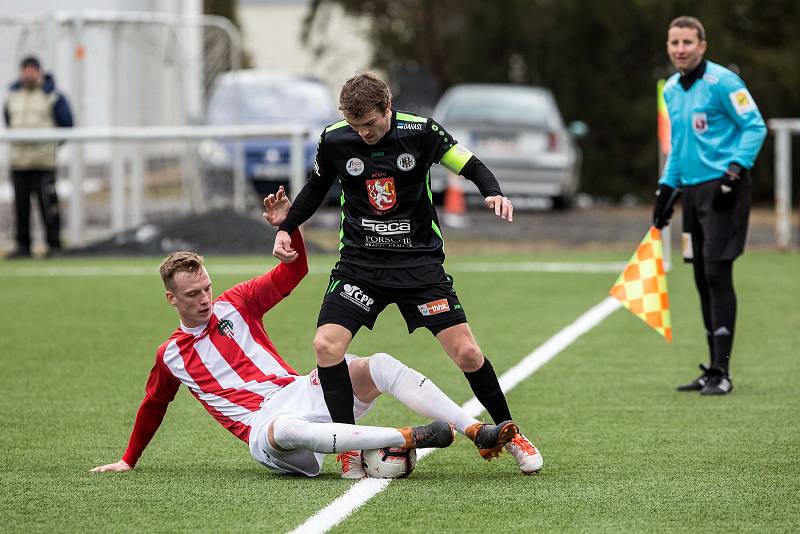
<point>338,392</point>
<point>705,307</point>
<point>487,390</point>
<point>723,310</point>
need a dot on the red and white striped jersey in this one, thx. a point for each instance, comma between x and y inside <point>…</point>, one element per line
<point>230,365</point>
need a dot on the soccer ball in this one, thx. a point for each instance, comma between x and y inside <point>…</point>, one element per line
<point>390,462</point>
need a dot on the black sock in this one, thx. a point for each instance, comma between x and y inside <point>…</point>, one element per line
<point>338,392</point>
<point>705,307</point>
<point>723,310</point>
<point>711,351</point>
<point>487,390</point>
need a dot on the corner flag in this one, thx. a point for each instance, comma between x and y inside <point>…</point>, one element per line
<point>642,286</point>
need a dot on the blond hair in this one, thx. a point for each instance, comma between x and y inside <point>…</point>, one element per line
<point>177,262</point>
<point>363,93</point>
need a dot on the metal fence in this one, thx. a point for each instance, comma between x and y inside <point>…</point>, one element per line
<point>141,185</point>
<point>783,129</point>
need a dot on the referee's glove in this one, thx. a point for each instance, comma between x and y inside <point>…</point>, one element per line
<point>728,186</point>
<point>664,204</point>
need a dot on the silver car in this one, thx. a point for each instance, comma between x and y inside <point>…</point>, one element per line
<point>517,131</point>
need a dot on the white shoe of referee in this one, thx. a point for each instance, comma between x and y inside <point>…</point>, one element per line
<point>528,457</point>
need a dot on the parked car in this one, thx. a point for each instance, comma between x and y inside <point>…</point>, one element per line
<point>518,132</point>
<point>268,98</point>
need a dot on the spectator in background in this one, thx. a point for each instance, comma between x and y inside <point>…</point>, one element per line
<point>717,132</point>
<point>34,102</point>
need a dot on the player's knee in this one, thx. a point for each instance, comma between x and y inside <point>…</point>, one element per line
<point>288,431</point>
<point>468,356</point>
<point>387,372</point>
<point>329,351</point>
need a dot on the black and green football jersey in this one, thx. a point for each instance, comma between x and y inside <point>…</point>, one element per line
<point>388,218</point>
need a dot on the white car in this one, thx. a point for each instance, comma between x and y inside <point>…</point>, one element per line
<point>517,131</point>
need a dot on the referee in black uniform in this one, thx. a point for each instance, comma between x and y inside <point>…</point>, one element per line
<point>391,242</point>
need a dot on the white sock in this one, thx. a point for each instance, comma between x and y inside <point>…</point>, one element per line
<point>292,433</point>
<point>416,391</point>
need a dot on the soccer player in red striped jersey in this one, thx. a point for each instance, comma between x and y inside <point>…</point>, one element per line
<point>223,355</point>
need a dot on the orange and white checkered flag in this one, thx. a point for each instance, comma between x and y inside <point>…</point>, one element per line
<point>642,286</point>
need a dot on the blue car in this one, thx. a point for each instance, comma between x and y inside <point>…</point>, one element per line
<point>266,98</point>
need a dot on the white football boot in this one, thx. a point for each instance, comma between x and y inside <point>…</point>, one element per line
<point>352,467</point>
<point>528,458</point>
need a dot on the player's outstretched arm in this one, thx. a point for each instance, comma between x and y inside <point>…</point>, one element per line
<point>116,467</point>
<point>161,389</point>
<point>478,173</point>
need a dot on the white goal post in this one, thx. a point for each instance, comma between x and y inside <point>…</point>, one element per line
<point>137,135</point>
<point>783,129</point>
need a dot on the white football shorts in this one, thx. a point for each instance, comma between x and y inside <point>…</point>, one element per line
<point>302,399</point>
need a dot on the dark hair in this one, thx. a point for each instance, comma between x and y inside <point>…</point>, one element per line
<point>30,61</point>
<point>363,93</point>
<point>179,262</point>
<point>689,22</point>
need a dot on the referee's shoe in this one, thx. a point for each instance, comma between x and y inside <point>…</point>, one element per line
<point>698,383</point>
<point>719,383</point>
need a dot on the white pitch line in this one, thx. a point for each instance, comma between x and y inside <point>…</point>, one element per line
<point>364,490</point>
<point>238,269</point>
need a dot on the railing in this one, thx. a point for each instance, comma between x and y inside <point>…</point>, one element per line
<point>77,168</point>
<point>783,129</point>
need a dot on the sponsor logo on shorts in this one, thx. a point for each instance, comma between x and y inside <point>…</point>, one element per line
<point>700,122</point>
<point>434,308</point>
<point>354,166</point>
<point>355,295</point>
<point>406,161</point>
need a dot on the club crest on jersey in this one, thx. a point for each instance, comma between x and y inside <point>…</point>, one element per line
<point>406,162</point>
<point>382,193</point>
<point>700,122</point>
<point>225,328</point>
<point>354,166</point>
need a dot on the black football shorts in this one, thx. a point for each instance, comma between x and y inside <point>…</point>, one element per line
<point>425,295</point>
<point>715,226</point>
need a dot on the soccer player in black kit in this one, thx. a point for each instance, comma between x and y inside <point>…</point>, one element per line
<point>391,245</point>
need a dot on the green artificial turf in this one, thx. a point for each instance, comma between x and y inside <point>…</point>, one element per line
<point>623,451</point>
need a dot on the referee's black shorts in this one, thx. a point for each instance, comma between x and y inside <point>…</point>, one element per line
<point>425,295</point>
<point>715,227</point>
